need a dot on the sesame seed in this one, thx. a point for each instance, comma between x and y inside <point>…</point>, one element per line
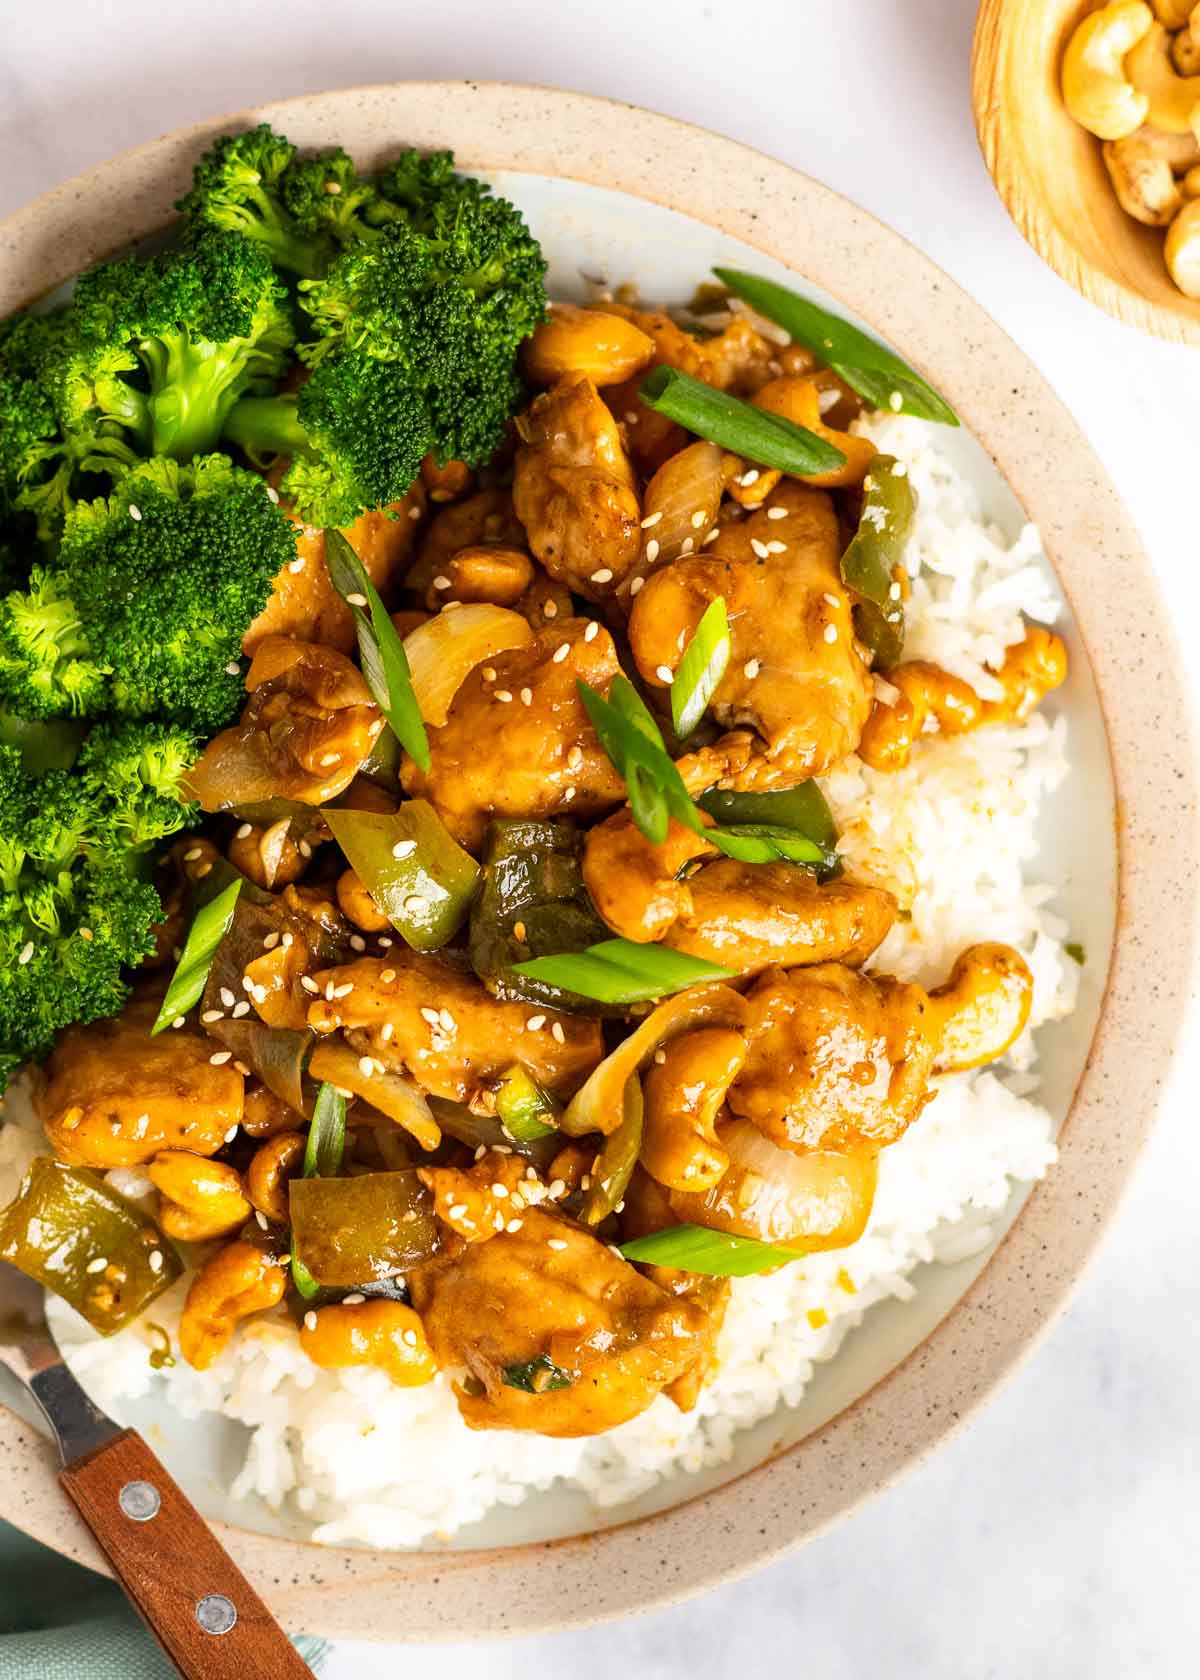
<point>665,674</point>
<point>385,944</point>
<point>504,695</point>
<point>309,984</point>
<point>430,1015</point>
<point>777,513</point>
<point>831,600</point>
<point>409,1338</point>
<point>303,847</point>
<point>687,545</point>
<point>557,1033</point>
<point>329,991</point>
<point>592,631</point>
<point>310,1320</point>
<point>414,513</point>
<point>366,1066</point>
<point>338,991</point>
<point>831,632</point>
<point>272,493</point>
<point>231,1134</point>
<point>386,1030</point>
<point>204,869</point>
<point>489,673</point>
<point>355,1299</point>
<point>457,1211</point>
<point>651,519</point>
<point>388,975</point>
<point>288,940</point>
<point>357,600</point>
<point>500,1191</point>
<point>155,1260</point>
<point>414,903</point>
<point>895,402</point>
<point>776,548</point>
<point>357,942</point>
<point>652,548</point>
<point>86,933</point>
<point>751,669</point>
<point>260,1219</point>
<point>192,853</point>
<point>448,1022</point>
<point>26,954</point>
<point>98,1264</point>
<point>660,1057</point>
<point>604,575</point>
<point>513,1226</point>
<point>270,942</point>
<point>557,1188</point>
<point>569,794</point>
<point>561,652</point>
<point>296,565</point>
<point>240,1009</point>
<point>636,585</point>
<point>712,536</point>
<point>760,548</point>
<point>536,1022</point>
<point>699,518</point>
<point>233,669</point>
<point>177,1022</point>
<point>404,848</point>
<point>327,759</point>
<point>134,512</point>
<point>894,592</point>
<point>527,697</point>
<point>749,478</point>
<point>899,470</point>
<point>556,1243</point>
<point>245,830</point>
<point>441,582</point>
<point>211,1015</point>
<point>228,998</point>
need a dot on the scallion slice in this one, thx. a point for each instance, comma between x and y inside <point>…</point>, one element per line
<point>632,740</point>
<point>763,843</point>
<point>694,1248</point>
<point>620,971</point>
<point>701,668</point>
<point>323,1153</point>
<point>767,439</point>
<point>384,661</point>
<point>537,1376</point>
<point>209,927</point>
<point>867,366</point>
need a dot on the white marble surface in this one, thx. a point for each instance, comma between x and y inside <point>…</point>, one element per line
<point>1060,1536</point>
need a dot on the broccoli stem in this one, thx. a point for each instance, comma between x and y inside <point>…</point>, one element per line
<point>194,384</point>
<point>267,426</point>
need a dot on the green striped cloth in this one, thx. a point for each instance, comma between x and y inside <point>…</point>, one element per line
<point>58,1621</point>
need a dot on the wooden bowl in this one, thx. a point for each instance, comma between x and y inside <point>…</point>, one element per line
<point>1051,175</point>
<point>623,191</point>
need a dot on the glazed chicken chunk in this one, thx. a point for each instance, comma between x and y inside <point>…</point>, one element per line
<point>517,741</point>
<point>419,1015</point>
<point>575,491</point>
<point>114,1097</point>
<point>797,679</point>
<point>556,1332</point>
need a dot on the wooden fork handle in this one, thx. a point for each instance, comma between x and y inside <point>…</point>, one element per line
<point>186,1587</point>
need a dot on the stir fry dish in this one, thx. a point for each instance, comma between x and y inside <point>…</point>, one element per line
<point>413,856</point>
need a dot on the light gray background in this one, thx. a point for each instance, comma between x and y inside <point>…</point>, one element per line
<point>1060,1536</point>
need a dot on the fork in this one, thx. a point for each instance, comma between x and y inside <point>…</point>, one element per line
<point>185,1586</point>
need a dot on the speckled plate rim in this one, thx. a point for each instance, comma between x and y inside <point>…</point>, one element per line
<point>1131,644</point>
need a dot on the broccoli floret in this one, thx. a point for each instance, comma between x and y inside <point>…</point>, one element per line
<point>238,186</point>
<point>415,347</point>
<point>73,916</point>
<point>150,594</point>
<point>420,184</point>
<point>327,197</point>
<point>133,773</point>
<point>159,351</point>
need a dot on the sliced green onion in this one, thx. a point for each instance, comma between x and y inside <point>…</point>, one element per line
<point>384,661</point>
<point>768,439</point>
<point>322,1159</point>
<point>803,808</point>
<point>536,1376</point>
<point>209,927</point>
<point>524,1109</point>
<point>609,1178</point>
<point>620,971</point>
<point>632,740</point>
<point>701,668</point>
<point>694,1248</point>
<point>764,843</point>
<point>866,365</point>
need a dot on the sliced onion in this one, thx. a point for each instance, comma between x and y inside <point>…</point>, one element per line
<point>599,1104</point>
<point>335,1061</point>
<point>443,649</point>
<point>680,507</point>
<point>813,1201</point>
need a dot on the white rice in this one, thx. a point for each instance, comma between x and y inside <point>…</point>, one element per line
<point>952,836</point>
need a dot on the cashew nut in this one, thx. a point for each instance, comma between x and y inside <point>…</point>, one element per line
<point>1185,46</point>
<point>379,1332</point>
<point>1183,249</point>
<point>493,572</point>
<point>1098,92</point>
<point>201,1199</point>
<point>982,1008</point>
<point>270,1170</point>
<point>357,905</point>
<point>239,1280</point>
<point>1140,171</point>
<point>607,348</point>
<point>1171,99</point>
<point>264,1113</point>
<point>684,1094</point>
<point>1174,14</point>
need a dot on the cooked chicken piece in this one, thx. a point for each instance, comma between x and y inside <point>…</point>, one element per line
<point>114,1097</point>
<point>545,601</point>
<point>419,1014</point>
<point>479,1200</point>
<point>550,1308</point>
<point>741,915</point>
<point>635,885</point>
<point>1032,668</point>
<point>517,741</point>
<point>736,359</point>
<point>746,915</point>
<point>309,725</point>
<point>484,572</point>
<point>304,604</point>
<point>575,491</point>
<point>484,518</point>
<point>796,676</point>
<point>841,1061</point>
